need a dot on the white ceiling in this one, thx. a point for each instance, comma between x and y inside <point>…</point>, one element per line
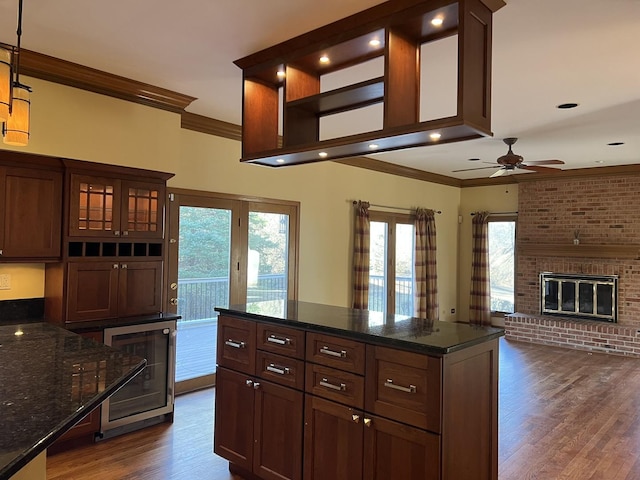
<point>545,52</point>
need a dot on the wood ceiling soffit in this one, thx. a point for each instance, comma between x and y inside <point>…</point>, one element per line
<point>399,170</point>
<point>55,70</point>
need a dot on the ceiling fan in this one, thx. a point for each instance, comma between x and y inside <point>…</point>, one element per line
<point>511,161</point>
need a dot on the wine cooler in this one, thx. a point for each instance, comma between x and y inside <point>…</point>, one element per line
<point>149,397</point>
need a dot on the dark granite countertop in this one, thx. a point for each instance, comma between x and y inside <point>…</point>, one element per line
<point>408,333</point>
<point>49,379</point>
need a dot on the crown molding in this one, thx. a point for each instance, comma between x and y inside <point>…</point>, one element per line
<point>211,126</point>
<point>399,170</point>
<point>55,70</point>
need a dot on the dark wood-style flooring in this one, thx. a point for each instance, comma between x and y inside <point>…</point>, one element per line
<point>564,414</point>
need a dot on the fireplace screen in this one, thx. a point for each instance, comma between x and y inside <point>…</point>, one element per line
<point>582,296</point>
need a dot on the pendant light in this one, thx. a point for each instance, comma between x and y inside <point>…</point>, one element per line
<point>15,102</point>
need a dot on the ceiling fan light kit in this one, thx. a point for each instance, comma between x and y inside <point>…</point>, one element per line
<point>394,30</point>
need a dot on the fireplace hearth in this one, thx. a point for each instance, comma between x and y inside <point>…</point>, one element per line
<point>589,297</point>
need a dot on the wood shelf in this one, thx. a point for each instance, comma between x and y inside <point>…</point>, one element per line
<point>400,27</point>
<point>581,250</point>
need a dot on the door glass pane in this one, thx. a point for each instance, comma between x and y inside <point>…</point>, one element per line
<point>204,256</point>
<point>268,262</point>
<point>404,269</point>
<point>378,266</point>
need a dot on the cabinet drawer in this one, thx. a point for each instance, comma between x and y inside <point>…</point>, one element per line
<point>281,340</point>
<point>404,386</point>
<point>280,369</point>
<point>237,344</point>
<point>336,352</point>
<point>336,385</point>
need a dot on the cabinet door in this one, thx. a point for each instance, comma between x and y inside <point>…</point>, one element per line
<point>140,288</point>
<point>142,210</point>
<point>92,291</point>
<point>94,206</point>
<point>333,444</point>
<point>394,450</point>
<point>233,431</point>
<point>31,211</point>
<point>277,453</point>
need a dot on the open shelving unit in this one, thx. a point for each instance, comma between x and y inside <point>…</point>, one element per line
<point>398,29</point>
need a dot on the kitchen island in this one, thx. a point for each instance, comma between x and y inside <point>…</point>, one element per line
<point>50,379</point>
<point>315,391</point>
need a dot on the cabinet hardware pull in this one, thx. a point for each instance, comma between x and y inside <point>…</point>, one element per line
<point>256,385</point>
<point>272,367</point>
<point>278,340</point>
<point>115,265</point>
<point>355,418</point>
<point>0,252</point>
<point>124,265</point>
<point>116,233</point>
<point>410,389</point>
<point>367,422</point>
<point>325,383</point>
<point>327,351</point>
<point>125,233</point>
<point>249,383</point>
<point>234,344</point>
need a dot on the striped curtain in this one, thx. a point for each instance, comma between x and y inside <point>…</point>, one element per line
<point>480,301</point>
<point>361,238</point>
<point>426,277</point>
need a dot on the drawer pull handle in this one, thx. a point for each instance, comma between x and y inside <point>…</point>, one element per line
<point>278,340</point>
<point>272,367</point>
<point>367,422</point>
<point>410,389</point>
<point>325,383</point>
<point>327,351</point>
<point>234,344</point>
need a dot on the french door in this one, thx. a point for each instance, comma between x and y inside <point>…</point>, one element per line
<point>224,250</point>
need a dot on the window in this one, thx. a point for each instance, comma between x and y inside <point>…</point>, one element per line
<point>391,260</point>
<point>502,240</point>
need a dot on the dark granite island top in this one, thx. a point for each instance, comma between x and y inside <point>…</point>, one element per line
<point>49,379</point>
<point>408,333</point>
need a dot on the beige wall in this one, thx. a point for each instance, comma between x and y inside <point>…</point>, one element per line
<point>501,198</point>
<point>76,124</point>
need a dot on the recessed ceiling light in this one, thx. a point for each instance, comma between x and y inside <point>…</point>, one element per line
<point>615,144</point>
<point>435,136</point>
<point>374,42</point>
<point>18,333</point>
<point>566,106</point>
<point>599,161</point>
<point>324,59</point>
<point>280,160</point>
<point>373,146</point>
<point>437,21</point>
<point>323,154</point>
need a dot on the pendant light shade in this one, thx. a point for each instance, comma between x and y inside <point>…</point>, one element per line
<point>5,83</point>
<point>16,128</point>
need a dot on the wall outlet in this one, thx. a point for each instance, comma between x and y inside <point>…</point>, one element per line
<point>5,281</point>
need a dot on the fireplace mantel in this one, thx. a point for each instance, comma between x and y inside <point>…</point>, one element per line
<point>581,250</point>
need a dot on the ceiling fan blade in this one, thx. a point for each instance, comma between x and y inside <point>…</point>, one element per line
<point>538,169</point>
<point>479,168</point>
<point>544,162</point>
<point>498,173</point>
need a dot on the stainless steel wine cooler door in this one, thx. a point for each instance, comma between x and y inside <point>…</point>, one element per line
<point>151,393</point>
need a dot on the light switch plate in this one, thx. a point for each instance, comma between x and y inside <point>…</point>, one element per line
<point>5,281</point>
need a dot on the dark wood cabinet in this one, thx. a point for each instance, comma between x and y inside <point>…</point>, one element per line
<point>30,213</point>
<point>98,290</point>
<point>111,207</point>
<point>371,412</point>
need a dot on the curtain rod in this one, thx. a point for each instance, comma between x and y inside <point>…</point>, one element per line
<point>394,208</point>
<point>497,213</point>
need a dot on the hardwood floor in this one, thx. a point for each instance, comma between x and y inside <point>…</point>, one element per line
<point>564,414</point>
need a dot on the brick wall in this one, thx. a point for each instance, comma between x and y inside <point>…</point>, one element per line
<point>606,210</point>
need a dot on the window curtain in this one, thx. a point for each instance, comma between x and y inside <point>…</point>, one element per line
<point>361,238</point>
<point>426,277</point>
<point>480,301</point>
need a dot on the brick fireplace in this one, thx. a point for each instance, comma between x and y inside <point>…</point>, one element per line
<point>605,210</point>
